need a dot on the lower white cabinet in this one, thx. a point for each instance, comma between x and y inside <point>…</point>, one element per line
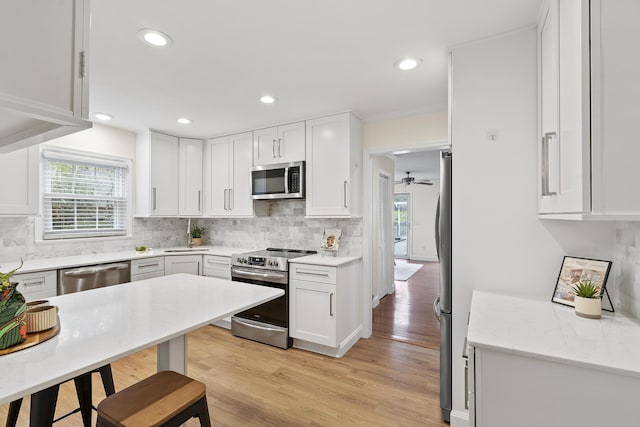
<point>217,266</point>
<point>191,264</point>
<point>324,307</point>
<point>147,268</point>
<point>38,285</point>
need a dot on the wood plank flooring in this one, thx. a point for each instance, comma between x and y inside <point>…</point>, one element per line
<point>379,382</point>
<point>407,314</point>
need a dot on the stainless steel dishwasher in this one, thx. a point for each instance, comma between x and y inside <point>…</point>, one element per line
<point>92,276</point>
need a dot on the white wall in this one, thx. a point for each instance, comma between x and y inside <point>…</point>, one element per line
<point>424,200</point>
<point>498,242</point>
<point>417,131</point>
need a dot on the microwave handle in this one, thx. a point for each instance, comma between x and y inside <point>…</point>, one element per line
<point>286,180</point>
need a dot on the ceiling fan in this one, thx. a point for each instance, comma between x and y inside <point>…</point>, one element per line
<point>408,180</point>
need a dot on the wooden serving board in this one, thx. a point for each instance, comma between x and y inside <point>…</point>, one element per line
<point>34,338</point>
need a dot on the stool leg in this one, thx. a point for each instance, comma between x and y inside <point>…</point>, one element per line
<point>107,379</point>
<point>43,406</point>
<point>14,410</point>
<point>83,390</point>
<point>203,413</point>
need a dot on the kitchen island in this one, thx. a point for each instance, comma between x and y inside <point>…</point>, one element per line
<point>105,324</point>
<point>534,362</point>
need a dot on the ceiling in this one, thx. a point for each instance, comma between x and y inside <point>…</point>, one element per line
<point>423,165</point>
<point>315,57</point>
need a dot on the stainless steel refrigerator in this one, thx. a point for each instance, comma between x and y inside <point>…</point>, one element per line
<point>442,305</point>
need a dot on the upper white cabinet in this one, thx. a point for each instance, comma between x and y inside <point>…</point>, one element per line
<point>157,174</point>
<point>281,144</point>
<point>20,169</point>
<point>190,191</point>
<point>227,176</point>
<point>334,172</point>
<point>587,105</point>
<point>168,175</point>
<point>49,37</point>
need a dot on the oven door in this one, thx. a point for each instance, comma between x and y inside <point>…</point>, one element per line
<point>274,312</point>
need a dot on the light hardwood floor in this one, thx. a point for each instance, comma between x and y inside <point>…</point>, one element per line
<point>379,382</point>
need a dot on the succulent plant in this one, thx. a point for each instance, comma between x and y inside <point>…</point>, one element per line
<point>586,289</point>
<point>196,232</point>
<point>5,278</point>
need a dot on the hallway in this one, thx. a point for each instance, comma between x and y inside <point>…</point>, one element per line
<point>407,314</point>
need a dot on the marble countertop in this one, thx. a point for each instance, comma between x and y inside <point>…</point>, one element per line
<point>544,330</point>
<point>43,264</point>
<point>105,324</point>
<point>329,261</point>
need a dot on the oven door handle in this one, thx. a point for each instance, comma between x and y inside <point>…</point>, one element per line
<point>256,325</point>
<point>244,274</point>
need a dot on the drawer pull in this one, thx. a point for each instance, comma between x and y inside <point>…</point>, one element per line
<point>39,283</point>
<point>331,304</point>
<point>209,262</point>
<point>148,265</point>
<point>313,273</point>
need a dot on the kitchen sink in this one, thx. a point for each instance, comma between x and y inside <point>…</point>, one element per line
<point>187,250</point>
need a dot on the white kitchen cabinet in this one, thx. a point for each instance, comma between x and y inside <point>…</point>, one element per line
<point>334,172</point>
<point>217,266</point>
<point>191,264</point>
<point>157,174</point>
<point>38,285</point>
<point>190,177</point>
<point>147,268</point>
<point>21,169</point>
<point>227,176</point>
<point>281,144</point>
<point>588,82</point>
<point>324,313</point>
<point>37,36</point>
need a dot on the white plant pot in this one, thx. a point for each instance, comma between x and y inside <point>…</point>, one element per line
<point>591,308</point>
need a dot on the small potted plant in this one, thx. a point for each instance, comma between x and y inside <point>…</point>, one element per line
<point>196,235</point>
<point>13,326</point>
<point>587,300</point>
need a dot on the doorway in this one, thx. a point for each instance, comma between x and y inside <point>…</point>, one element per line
<point>401,225</point>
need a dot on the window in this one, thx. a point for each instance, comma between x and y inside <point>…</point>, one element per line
<point>84,195</point>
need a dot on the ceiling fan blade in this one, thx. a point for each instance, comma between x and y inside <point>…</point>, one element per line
<point>423,182</point>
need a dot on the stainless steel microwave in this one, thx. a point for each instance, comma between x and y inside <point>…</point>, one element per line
<point>279,181</point>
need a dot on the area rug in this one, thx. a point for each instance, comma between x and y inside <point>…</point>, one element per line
<point>404,271</point>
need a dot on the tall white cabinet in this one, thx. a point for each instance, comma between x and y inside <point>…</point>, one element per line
<point>334,166</point>
<point>37,36</point>
<point>20,169</point>
<point>190,191</point>
<point>227,179</point>
<point>587,102</point>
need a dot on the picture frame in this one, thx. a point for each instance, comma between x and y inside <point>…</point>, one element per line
<point>575,269</point>
<point>331,240</point>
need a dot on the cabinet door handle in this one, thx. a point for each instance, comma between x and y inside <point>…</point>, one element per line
<point>38,283</point>
<point>331,304</point>
<point>141,266</point>
<point>273,148</point>
<point>154,197</point>
<point>199,200</point>
<point>279,150</point>
<point>225,198</point>
<point>546,166</point>
<point>345,189</point>
<point>212,262</point>
<point>231,199</point>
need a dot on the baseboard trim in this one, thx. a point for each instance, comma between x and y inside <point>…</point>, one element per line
<point>424,258</point>
<point>459,419</point>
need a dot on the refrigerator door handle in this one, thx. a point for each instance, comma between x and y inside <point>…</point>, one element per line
<point>437,226</point>
<point>436,308</point>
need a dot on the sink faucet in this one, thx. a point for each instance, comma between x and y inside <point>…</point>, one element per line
<point>189,233</point>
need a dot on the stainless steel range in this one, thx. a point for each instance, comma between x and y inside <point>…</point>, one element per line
<point>269,322</point>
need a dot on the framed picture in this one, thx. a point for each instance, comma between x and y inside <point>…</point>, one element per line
<point>574,270</point>
<point>331,240</point>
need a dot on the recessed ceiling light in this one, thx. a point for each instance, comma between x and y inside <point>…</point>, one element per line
<point>184,121</point>
<point>406,64</point>
<point>267,99</point>
<point>103,116</point>
<point>154,37</point>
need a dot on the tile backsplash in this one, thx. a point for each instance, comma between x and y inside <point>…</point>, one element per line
<point>626,268</point>
<point>286,227</point>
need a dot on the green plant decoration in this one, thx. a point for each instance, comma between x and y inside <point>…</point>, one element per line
<point>196,232</point>
<point>586,289</point>
<point>13,325</point>
<point>5,278</point>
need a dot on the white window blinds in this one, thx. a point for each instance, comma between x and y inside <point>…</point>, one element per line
<point>84,195</point>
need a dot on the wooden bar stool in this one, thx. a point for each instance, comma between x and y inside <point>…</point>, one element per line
<point>164,399</point>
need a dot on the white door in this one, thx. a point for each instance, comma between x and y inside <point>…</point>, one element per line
<point>290,144</point>
<point>241,202</point>
<point>217,176</point>
<point>190,191</point>
<point>385,246</point>
<point>164,174</point>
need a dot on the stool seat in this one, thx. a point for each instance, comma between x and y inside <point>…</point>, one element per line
<point>166,398</point>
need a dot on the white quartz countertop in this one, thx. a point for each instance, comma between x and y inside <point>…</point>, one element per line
<point>105,324</point>
<point>90,259</point>
<point>544,330</point>
<point>329,261</point>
